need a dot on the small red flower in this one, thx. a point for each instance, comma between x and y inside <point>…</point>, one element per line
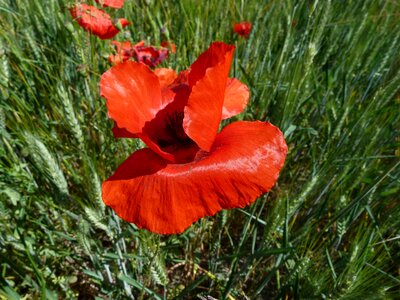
<point>168,45</point>
<point>124,51</point>
<point>189,170</point>
<point>149,55</point>
<point>111,3</point>
<point>243,28</point>
<point>96,21</point>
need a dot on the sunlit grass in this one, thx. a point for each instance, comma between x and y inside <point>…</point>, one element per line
<point>326,72</point>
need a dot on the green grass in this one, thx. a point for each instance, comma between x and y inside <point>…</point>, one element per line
<point>326,72</point>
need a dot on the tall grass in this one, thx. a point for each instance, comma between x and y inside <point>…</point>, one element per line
<point>326,72</point>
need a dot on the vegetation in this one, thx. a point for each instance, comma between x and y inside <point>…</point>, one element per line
<point>326,72</point>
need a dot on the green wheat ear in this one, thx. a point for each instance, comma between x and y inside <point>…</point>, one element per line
<point>83,237</point>
<point>13,196</point>
<point>37,53</point>
<point>2,122</point>
<point>46,163</point>
<point>70,117</point>
<point>97,219</point>
<point>94,187</point>
<point>158,271</point>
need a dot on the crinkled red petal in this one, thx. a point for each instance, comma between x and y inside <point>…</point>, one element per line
<point>167,198</point>
<point>133,95</point>
<point>235,99</point>
<point>207,77</point>
<point>111,3</point>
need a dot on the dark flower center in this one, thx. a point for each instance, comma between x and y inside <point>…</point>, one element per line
<point>174,131</point>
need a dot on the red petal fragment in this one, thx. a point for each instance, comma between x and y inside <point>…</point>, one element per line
<point>236,98</point>
<point>133,95</point>
<point>139,44</point>
<point>95,21</point>
<point>166,76</point>
<point>122,132</point>
<point>204,107</point>
<point>122,23</point>
<point>170,46</point>
<point>115,59</point>
<point>167,198</point>
<point>111,3</point>
<point>124,52</point>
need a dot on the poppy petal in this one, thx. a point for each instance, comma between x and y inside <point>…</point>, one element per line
<point>214,55</point>
<point>111,3</point>
<point>236,98</point>
<point>133,95</point>
<point>207,77</point>
<point>167,198</point>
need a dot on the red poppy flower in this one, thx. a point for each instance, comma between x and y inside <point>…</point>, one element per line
<point>243,28</point>
<point>111,3</point>
<point>124,51</point>
<point>189,170</point>
<point>96,21</point>
<point>149,55</point>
